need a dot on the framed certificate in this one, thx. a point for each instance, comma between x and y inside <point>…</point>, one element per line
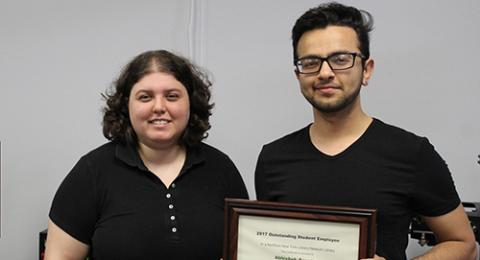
<point>271,230</point>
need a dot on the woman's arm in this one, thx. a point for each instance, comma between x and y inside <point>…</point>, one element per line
<point>62,246</point>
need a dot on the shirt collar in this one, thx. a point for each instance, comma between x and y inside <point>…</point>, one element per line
<point>129,155</point>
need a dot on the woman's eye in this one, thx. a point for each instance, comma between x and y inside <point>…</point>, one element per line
<point>172,96</point>
<point>143,97</point>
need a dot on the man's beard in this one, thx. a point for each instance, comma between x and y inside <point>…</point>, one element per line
<point>337,106</point>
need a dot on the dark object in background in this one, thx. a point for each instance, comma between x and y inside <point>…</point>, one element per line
<point>420,231</point>
<point>41,246</point>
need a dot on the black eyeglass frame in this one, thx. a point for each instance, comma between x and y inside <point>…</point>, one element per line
<point>323,59</point>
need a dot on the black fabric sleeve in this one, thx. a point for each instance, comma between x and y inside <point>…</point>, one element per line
<point>73,208</point>
<point>236,185</point>
<point>260,183</point>
<point>435,192</point>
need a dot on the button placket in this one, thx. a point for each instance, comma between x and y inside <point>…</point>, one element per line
<point>171,209</point>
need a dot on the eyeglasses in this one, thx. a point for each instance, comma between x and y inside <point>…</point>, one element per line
<point>336,61</point>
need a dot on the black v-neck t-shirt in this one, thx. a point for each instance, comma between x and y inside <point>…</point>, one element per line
<point>387,168</point>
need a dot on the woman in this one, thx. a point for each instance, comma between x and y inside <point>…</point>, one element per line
<point>155,191</point>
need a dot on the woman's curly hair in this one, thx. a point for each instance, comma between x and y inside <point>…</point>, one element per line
<point>116,121</point>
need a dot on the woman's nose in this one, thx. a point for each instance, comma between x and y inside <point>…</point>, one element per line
<point>159,105</point>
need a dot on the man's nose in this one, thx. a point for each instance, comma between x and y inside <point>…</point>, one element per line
<point>325,71</point>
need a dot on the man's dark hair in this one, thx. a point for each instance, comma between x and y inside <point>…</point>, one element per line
<point>334,14</point>
<point>116,121</point>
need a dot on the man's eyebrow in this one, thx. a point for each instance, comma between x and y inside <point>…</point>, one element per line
<point>310,57</point>
<point>313,56</point>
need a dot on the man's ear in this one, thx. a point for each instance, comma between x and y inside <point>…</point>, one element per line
<point>296,72</point>
<point>368,69</point>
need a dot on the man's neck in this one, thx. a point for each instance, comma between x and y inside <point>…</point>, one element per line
<point>332,133</point>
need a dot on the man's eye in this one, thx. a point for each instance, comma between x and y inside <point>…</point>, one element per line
<point>341,58</point>
<point>309,63</point>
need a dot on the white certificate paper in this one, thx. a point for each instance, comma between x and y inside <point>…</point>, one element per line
<point>265,238</point>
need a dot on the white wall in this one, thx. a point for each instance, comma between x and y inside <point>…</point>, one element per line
<point>56,58</point>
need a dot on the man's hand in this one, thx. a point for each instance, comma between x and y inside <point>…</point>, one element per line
<point>376,257</point>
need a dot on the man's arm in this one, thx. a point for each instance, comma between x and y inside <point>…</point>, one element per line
<point>455,238</point>
<point>62,246</point>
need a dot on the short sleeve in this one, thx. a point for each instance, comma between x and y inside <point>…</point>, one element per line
<point>236,184</point>
<point>434,192</point>
<point>73,208</point>
<point>260,183</point>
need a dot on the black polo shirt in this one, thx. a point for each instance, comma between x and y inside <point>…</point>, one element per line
<point>112,202</point>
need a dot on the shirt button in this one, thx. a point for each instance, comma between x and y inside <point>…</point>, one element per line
<point>174,229</point>
<point>173,185</point>
<point>172,217</point>
<point>170,206</point>
<point>168,195</point>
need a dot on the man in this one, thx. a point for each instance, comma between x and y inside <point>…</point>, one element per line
<point>347,158</point>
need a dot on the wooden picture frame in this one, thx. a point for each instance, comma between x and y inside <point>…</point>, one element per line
<point>271,230</point>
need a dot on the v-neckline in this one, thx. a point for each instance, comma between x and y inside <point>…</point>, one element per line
<point>347,149</point>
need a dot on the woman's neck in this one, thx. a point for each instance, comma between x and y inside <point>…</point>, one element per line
<point>158,156</point>
<point>165,163</point>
